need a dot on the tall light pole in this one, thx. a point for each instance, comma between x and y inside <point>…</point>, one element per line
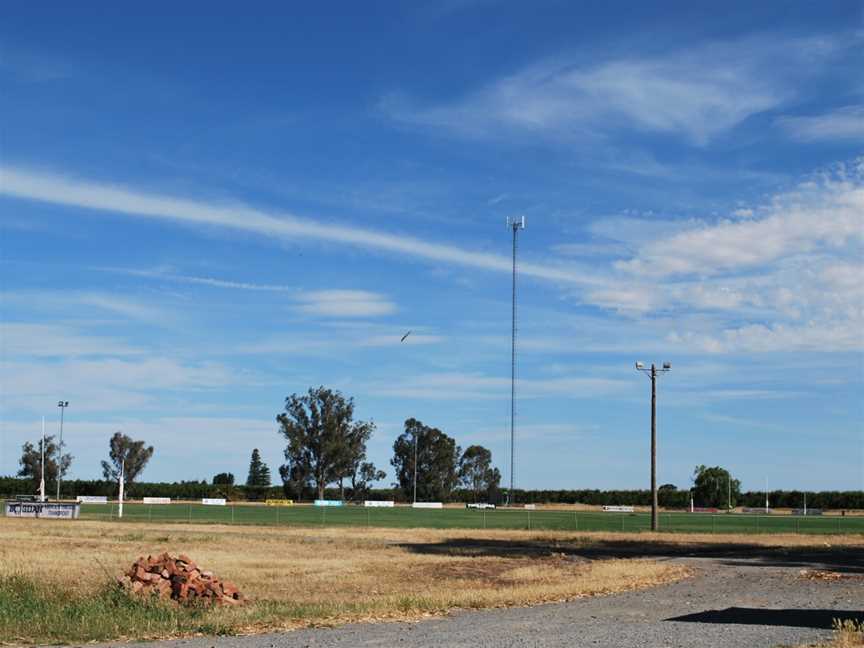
<point>728,491</point>
<point>42,475</point>
<point>652,374</point>
<point>62,405</point>
<point>515,224</point>
<point>122,483</point>
<point>415,465</point>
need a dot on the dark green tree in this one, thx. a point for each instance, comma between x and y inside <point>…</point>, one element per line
<point>477,474</point>
<point>295,480</point>
<point>224,479</point>
<point>437,462</point>
<point>131,455</point>
<point>353,464</point>
<point>712,486</point>
<point>665,494</point>
<point>363,478</point>
<point>31,462</point>
<point>259,472</point>
<point>324,441</point>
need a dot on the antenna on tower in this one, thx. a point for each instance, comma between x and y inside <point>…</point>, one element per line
<point>515,224</point>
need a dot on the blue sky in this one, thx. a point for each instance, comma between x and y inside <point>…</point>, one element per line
<point>206,208</point>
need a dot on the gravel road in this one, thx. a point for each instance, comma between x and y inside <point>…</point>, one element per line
<point>749,598</point>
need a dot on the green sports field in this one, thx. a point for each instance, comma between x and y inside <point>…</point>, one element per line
<point>404,517</point>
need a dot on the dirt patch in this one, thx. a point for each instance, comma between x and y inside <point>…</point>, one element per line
<point>821,575</point>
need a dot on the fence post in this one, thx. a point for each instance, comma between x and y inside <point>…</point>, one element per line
<point>484,518</point>
<point>277,515</point>
<point>713,523</point>
<point>232,514</point>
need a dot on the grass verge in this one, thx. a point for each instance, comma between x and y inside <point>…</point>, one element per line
<point>33,611</point>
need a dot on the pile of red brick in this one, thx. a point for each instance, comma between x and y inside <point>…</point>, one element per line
<point>180,579</point>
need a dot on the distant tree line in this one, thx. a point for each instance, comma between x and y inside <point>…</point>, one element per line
<point>678,499</point>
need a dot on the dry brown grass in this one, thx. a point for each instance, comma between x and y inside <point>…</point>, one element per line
<point>327,575</point>
<point>847,635</point>
<point>321,576</point>
<point>776,540</point>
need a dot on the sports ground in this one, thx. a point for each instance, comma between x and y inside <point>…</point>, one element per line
<point>457,518</point>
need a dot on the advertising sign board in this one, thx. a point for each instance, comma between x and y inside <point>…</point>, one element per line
<point>56,510</point>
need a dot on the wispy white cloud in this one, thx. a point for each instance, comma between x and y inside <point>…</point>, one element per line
<point>126,307</point>
<point>110,384</point>
<point>843,124</point>
<point>338,339</point>
<point>781,276</point>
<point>697,93</point>
<point>826,213</point>
<point>323,303</point>
<point>533,433</point>
<point>345,303</point>
<point>390,340</point>
<point>56,189</point>
<point>842,335</point>
<point>123,306</point>
<point>203,281</point>
<point>611,249</point>
<point>21,339</point>
<point>738,421</point>
<point>460,386</point>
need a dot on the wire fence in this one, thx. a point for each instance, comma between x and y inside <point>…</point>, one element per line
<point>514,519</point>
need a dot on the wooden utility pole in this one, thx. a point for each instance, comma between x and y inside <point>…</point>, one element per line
<point>655,523</point>
<point>652,374</point>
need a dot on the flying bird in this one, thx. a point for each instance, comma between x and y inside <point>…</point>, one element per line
<point>405,336</point>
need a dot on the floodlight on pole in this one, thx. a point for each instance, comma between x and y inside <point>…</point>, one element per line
<point>728,490</point>
<point>652,373</point>
<point>121,484</point>
<point>515,224</point>
<point>42,471</point>
<point>62,405</point>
